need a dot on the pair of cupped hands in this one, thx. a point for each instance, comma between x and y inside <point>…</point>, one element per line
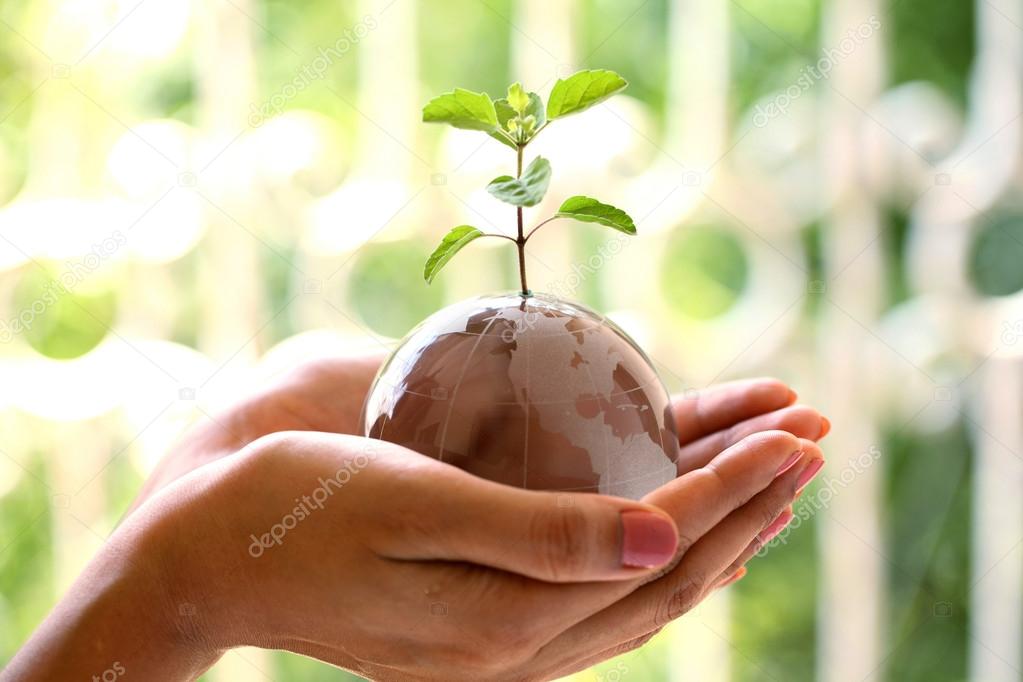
<point>273,525</point>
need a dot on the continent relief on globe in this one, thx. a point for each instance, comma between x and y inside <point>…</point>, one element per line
<point>534,392</point>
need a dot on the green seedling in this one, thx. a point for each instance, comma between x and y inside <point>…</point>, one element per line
<point>515,121</point>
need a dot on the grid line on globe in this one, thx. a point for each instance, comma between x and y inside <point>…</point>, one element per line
<point>481,385</point>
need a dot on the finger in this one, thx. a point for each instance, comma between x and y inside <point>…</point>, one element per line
<point>799,420</point>
<point>702,498</point>
<point>564,669</point>
<point>733,578</point>
<point>548,536</point>
<point>723,405</point>
<point>766,537</point>
<point>657,603</point>
<point>699,501</point>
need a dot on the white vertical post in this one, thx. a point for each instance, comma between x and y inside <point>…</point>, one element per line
<point>851,581</point>
<point>225,77</point>
<point>996,594</point>
<point>388,76</point>
<point>698,76</point>
<point>991,164</point>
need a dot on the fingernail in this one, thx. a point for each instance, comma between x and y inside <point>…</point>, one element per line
<point>734,578</point>
<point>789,463</point>
<point>777,526</point>
<point>648,540</point>
<point>808,473</point>
<point>825,427</point>
<point>793,396</point>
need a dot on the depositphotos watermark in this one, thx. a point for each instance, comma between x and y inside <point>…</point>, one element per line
<point>568,285</point>
<point>814,73</point>
<point>74,273</point>
<point>313,71</point>
<point>808,506</point>
<point>1012,332</point>
<point>307,504</point>
<point>112,673</point>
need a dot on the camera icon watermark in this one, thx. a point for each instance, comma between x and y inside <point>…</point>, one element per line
<point>439,393</point>
<point>61,71</point>
<point>313,286</point>
<point>187,610</point>
<point>438,608</point>
<point>187,179</point>
<point>438,179</point>
<point>943,394</point>
<point>942,179</point>
<point>692,178</point>
<point>186,393</point>
<point>943,609</point>
<point>816,286</point>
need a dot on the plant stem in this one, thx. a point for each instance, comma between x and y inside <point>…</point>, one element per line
<point>520,242</point>
<point>540,225</point>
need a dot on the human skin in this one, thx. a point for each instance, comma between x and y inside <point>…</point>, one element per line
<point>413,569</point>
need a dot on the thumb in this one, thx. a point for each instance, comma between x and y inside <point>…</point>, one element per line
<point>557,537</point>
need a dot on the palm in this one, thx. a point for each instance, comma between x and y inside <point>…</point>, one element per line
<point>327,395</point>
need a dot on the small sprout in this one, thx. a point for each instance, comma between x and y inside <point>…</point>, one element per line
<point>515,120</point>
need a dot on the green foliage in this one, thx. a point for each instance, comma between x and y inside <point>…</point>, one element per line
<point>26,559</point>
<point>703,273</point>
<point>927,506</point>
<point>528,190</point>
<point>515,120</point>
<point>589,210</point>
<point>521,119</point>
<point>382,294</point>
<point>940,50</point>
<point>996,254</point>
<point>583,90</point>
<point>452,243</point>
<point>62,322</point>
<point>462,109</point>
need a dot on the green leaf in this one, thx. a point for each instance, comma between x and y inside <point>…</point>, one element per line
<point>581,91</point>
<point>518,99</point>
<point>527,190</point>
<point>506,113</point>
<point>462,109</point>
<point>589,210</point>
<point>451,244</point>
<point>535,109</point>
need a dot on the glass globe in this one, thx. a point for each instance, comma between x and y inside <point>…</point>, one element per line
<point>531,391</point>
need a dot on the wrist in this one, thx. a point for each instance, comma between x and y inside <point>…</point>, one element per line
<point>115,620</point>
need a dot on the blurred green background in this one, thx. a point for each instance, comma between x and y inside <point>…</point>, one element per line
<point>219,199</point>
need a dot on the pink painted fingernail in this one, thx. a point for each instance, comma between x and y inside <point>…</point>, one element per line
<point>789,463</point>
<point>648,540</point>
<point>808,473</point>
<point>777,526</point>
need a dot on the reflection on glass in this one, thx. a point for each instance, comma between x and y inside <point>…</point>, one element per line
<point>532,391</point>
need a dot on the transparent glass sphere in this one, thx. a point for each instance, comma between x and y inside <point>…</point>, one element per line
<point>531,391</point>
